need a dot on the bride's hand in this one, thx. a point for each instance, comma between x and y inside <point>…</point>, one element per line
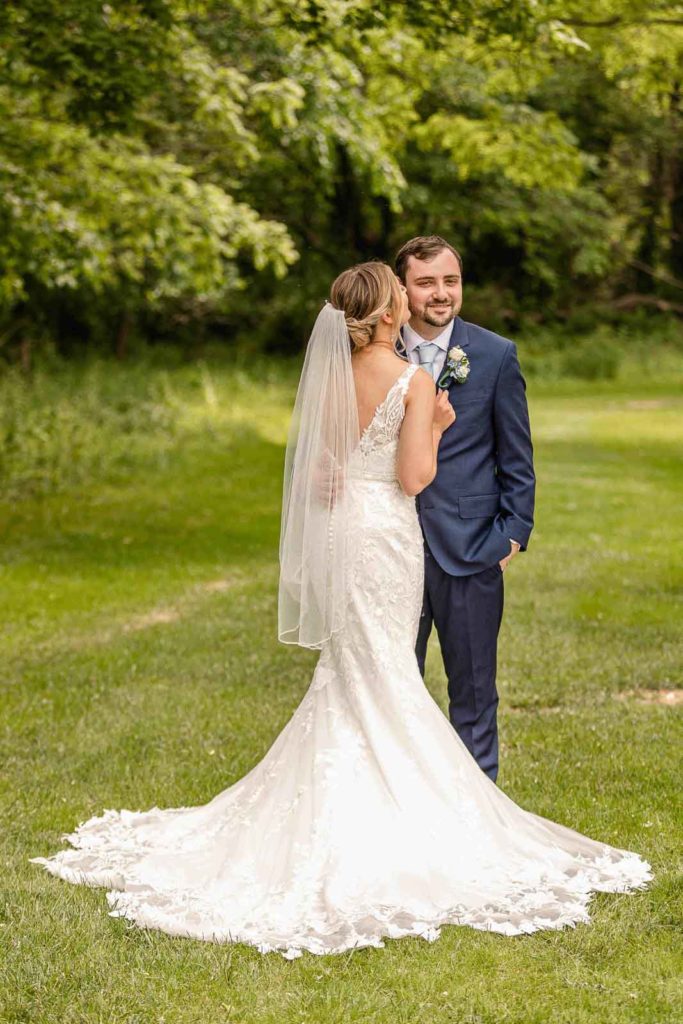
<point>444,413</point>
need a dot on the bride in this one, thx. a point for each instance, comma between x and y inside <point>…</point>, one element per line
<point>367,818</point>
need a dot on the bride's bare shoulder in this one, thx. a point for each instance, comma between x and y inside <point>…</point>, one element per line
<point>421,384</point>
<point>379,367</point>
<point>397,365</point>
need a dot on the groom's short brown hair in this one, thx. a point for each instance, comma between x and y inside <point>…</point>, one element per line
<point>424,247</point>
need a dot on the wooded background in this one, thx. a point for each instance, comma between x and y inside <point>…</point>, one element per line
<point>171,169</point>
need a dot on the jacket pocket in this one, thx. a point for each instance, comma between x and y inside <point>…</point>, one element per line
<point>475,506</point>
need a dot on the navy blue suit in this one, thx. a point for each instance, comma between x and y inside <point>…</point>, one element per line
<point>481,498</point>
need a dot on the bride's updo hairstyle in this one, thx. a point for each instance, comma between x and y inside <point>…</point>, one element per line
<point>364,293</point>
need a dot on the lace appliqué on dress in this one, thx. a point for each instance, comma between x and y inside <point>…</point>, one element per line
<point>368,818</point>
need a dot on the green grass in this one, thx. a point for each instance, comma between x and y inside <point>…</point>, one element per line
<point>139,666</point>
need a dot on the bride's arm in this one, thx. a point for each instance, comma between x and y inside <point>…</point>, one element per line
<point>418,442</point>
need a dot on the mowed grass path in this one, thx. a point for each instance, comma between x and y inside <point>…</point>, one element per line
<point>140,667</point>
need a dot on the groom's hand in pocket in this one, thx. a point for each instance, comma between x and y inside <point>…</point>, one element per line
<point>514,549</point>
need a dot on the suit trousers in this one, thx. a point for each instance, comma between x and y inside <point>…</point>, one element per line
<point>467,612</point>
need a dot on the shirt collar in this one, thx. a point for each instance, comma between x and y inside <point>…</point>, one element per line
<point>412,339</point>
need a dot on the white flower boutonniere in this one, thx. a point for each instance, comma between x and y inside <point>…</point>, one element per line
<point>457,367</point>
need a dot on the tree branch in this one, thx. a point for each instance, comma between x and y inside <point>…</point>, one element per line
<point>634,300</point>
<point>656,274</point>
<point>619,21</point>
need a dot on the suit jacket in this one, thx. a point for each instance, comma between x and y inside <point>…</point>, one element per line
<point>483,492</point>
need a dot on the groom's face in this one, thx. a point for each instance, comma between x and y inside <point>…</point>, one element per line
<point>434,289</point>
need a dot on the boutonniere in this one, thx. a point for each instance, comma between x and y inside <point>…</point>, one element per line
<point>457,367</point>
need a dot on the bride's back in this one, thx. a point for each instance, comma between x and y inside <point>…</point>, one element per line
<point>374,373</point>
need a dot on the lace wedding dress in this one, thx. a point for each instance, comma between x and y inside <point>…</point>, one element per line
<point>368,818</point>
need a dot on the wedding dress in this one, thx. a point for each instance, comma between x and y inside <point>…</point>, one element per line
<point>368,818</point>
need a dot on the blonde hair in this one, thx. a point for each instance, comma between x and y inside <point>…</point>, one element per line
<point>364,293</point>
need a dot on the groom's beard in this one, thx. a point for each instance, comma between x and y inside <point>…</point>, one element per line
<point>429,316</point>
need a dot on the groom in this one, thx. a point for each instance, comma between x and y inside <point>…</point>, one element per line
<point>477,514</point>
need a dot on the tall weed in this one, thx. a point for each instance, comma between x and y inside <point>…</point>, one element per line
<point>65,424</point>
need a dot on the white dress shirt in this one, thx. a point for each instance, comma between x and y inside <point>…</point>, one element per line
<point>412,339</point>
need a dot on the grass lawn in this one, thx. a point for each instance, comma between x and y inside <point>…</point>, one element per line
<point>139,667</point>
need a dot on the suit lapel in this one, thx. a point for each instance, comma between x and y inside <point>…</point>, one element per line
<point>459,337</point>
<point>459,334</point>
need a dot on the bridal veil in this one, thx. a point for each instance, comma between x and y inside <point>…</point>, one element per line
<point>314,530</point>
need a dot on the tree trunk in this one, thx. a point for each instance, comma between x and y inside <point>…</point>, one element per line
<point>652,200</point>
<point>347,206</point>
<point>25,352</point>
<point>122,336</point>
<point>387,228</point>
<point>675,260</point>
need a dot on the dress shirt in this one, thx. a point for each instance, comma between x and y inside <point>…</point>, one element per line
<point>411,339</point>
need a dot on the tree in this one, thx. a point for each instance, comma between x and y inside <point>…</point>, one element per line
<point>191,159</point>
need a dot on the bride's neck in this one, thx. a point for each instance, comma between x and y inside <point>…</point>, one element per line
<point>375,350</point>
<point>383,339</point>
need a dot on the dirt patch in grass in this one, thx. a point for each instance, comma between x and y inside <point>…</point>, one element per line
<point>217,586</point>
<point>186,603</point>
<point>668,698</point>
<point>154,618</point>
<point>536,709</point>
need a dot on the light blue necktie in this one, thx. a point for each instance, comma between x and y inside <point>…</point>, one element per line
<point>427,353</point>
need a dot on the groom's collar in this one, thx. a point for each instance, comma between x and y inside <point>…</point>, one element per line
<point>412,339</point>
<point>458,336</point>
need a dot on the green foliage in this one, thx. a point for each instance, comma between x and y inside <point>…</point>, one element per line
<point>637,349</point>
<point>109,217</point>
<point>105,57</point>
<point>596,357</point>
<point>69,424</point>
<point>73,422</point>
<point>88,209</point>
<point>164,163</point>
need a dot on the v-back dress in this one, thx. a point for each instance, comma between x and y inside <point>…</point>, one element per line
<point>368,818</point>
